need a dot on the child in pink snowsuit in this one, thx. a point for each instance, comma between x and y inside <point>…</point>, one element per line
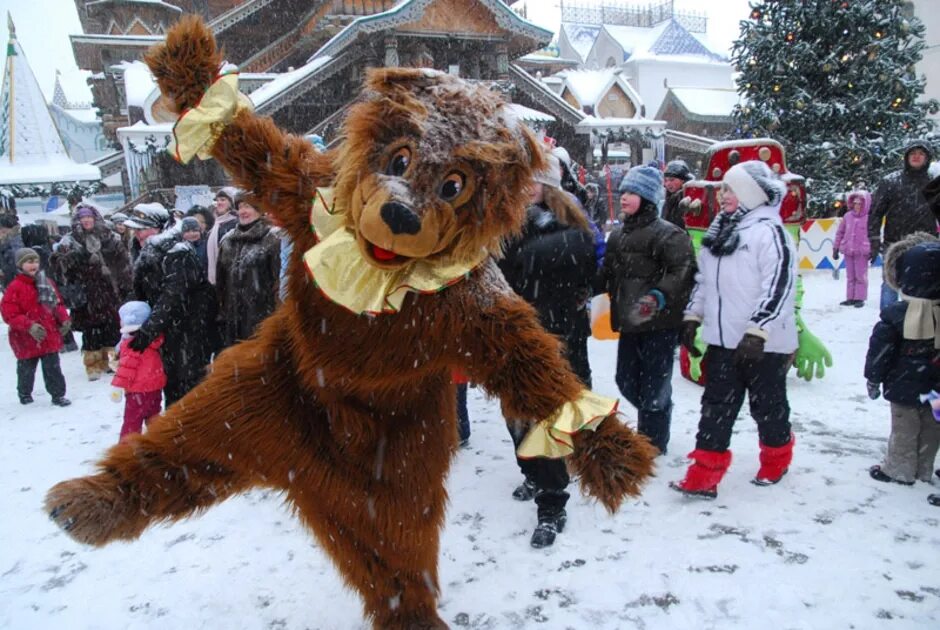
<point>139,374</point>
<point>852,240</point>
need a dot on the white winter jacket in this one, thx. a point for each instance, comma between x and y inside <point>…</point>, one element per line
<point>750,290</point>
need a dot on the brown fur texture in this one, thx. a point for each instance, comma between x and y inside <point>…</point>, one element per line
<point>353,417</point>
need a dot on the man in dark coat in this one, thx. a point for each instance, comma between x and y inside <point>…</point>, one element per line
<point>900,201</point>
<point>648,271</point>
<point>170,278</point>
<point>677,173</point>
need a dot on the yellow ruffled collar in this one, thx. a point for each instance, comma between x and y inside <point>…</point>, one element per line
<point>346,278</point>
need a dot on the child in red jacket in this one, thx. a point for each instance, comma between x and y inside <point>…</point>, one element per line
<point>33,309</point>
<point>139,374</point>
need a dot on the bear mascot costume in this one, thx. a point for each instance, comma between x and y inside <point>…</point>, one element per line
<point>343,398</point>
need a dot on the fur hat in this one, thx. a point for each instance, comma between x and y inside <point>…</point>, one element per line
<point>148,215</point>
<point>133,315</point>
<point>754,184</point>
<point>551,176</point>
<point>645,181</point>
<point>678,169</point>
<point>24,254</point>
<point>118,218</point>
<point>244,196</point>
<point>897,275</point>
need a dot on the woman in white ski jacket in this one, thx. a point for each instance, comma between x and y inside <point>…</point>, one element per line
<point>744,300</point>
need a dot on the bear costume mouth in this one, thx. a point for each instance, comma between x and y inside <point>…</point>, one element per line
<point>381,257</point>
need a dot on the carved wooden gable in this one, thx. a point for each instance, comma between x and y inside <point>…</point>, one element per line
<point>456,16</point>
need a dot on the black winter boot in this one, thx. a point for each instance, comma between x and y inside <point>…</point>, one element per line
<point>25,400</point>
<point>525,491</point>
<point>547,529</point>
<point>933,499</point>
<point>61,401</point>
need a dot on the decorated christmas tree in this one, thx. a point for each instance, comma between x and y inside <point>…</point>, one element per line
<point>834,81</point>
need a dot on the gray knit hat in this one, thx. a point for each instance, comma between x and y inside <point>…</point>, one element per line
<point>645,181</point>
<point>23,254</point>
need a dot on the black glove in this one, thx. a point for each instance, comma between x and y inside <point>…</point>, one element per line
<point>874,390</point>
<point>835,254</point>
<point>140,342</point>
<point>687,337</point>
<point>750,349</point>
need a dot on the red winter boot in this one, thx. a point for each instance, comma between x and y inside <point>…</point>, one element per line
<point>774,463</point>
<point>703,476</point>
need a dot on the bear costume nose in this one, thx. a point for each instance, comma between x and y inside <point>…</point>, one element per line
<point>400,219</point>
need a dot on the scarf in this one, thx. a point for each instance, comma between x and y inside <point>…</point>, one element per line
<point>47,295</point>
<point>922,319</point>
<point>722,236</point>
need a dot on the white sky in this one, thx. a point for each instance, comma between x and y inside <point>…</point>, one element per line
<point>43,27</point>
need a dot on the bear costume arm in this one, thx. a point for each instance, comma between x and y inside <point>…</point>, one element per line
<point>281,171</point>
<point>507,351</point>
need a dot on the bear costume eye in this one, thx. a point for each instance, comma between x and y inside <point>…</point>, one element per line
<point>399,163</point>
<point>452,186</point>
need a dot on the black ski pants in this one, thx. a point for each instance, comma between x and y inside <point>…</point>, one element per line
<point>549,476</point>
<point>764,381</point>
<point>51,375</point>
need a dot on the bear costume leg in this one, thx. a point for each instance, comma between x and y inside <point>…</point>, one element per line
<point>378,519</point>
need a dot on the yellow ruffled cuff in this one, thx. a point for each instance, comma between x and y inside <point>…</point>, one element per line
<point>552,437</point>
<point>198,128</point>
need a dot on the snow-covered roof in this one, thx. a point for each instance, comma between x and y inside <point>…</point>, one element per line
<point>284,80</point>
<point>668,39</point>
<point>716,102</point>
<point>410,10</point>
<point>159,3</point>
<point>53,170</point>
<point>84,115</point>
<point>528,114</point>
<point>31,150</point>
<point>581,37</point>
<point>593,122</point>
<point>590,86</point>
<point>138,82</point>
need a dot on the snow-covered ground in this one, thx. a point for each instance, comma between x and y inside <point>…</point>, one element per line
<point>826,548</point>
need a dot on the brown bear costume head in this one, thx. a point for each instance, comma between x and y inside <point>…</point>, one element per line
<point>416,187</point>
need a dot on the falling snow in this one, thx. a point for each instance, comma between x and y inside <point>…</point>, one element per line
<point>826,548</point>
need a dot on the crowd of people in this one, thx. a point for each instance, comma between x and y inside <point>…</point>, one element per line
<point>157,294</point>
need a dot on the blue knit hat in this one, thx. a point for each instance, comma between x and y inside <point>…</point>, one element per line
<point>645,181</point>
<point>133,315</point>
